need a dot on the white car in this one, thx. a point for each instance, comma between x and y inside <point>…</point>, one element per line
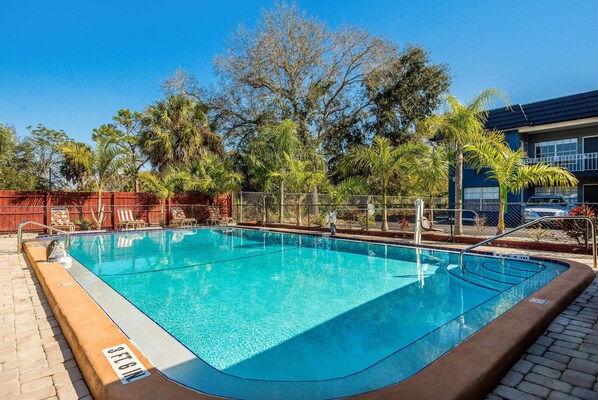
<point>545,206</point>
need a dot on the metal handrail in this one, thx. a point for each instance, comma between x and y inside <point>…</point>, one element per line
<point>582,217</point>
<point>67,235</point>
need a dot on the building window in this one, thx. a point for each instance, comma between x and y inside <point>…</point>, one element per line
<point>481,198</point>
<point>556,148</point>
<point>568,193</point>
<point>558,152</point>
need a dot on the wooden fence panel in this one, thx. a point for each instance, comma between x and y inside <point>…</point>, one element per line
<point>19,206</point>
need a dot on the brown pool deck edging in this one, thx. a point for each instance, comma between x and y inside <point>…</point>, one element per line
<point>469,371</point>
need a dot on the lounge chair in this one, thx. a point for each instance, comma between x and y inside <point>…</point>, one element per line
<point>126,219</point>
<point>180,219</point>
<point>60,219</point>
<point>428,227</point>
<point>215,218</point>
<point>127,240</point>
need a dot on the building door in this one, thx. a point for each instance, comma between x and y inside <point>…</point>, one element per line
<point>590,145</point>
<point>590,193</point>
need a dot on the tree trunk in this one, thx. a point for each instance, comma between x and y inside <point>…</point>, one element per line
<point>136,184</point>
<point>263,210</point>
<point>384,227</point>
<point>500,228</point>
<point>458,192</point>
<point>431,207</point>
<point>300,200</point>
<point>281,202</point>
<point>99,218</point>
<point>315,201</point>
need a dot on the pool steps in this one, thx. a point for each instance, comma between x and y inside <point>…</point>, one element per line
<point>488,276</point>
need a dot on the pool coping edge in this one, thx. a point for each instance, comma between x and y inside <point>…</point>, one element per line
<point>480,361</point>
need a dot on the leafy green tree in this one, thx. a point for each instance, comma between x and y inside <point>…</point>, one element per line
<point>175,131</point>
<point>163,186</point>
<point>100,164</point>
<point>125,132</point>
<point>507,168</point>
<point>403,91</point>
<point>459,125</point>
<point>382,162</point>
<point>8,140</point>
<point>47,156</point>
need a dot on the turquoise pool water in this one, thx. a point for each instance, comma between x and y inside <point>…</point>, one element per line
<point>266,306</point>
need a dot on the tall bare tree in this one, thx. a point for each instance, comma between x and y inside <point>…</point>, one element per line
<point>290,66</point>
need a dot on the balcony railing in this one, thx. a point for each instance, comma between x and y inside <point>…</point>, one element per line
<point>573,162</point>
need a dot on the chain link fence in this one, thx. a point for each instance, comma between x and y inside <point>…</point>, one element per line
<point>364,214</point>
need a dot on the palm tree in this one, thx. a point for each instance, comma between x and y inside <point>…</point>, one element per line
<point>176,130</point>
<point>507,167</point>
<point>300,176</point>
<point>382,161</point>
<point>213,175</point>
<point>163,187</point>
<point>432,173</point>
<point>268,157</point>
<point>337,194</point>
<point>460,125</point>
<point>99,165</point>
<point>75,166</point>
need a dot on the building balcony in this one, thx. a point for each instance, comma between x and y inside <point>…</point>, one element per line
<point>573,162</point>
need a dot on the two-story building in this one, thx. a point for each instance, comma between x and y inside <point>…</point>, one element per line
<point>561,131</point>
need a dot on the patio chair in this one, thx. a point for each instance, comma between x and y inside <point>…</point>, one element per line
<point>60,219</point>
<point>428,227</point>
<point>215,218</point>
<point>180,219</point>
<point>126,219</point>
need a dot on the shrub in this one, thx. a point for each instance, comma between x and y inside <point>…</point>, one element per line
<point>578,229</point>
<point>84,224</point>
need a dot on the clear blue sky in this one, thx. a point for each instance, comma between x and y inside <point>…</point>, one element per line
<point>72,64</point>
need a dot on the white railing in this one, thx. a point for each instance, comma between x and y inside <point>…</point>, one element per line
<point>572,162</point>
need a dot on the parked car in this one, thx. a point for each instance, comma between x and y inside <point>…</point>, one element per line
<point>545,206</point>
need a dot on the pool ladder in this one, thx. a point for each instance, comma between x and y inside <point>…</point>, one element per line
<point>526,225</point>
<point>66,235</point>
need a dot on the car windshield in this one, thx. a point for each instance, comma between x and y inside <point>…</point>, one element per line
<point>540,200</point>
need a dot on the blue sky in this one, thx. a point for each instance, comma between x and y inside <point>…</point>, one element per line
<point>72,64</point>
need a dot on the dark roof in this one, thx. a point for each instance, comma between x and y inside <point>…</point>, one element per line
<point>577,106</point>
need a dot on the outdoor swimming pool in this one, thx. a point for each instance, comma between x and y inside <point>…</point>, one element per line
<point>256,314</point>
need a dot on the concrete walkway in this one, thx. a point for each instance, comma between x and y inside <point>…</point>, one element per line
<point>35,360</point>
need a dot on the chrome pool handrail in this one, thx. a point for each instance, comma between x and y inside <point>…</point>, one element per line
<point>67,235</point>
<point>582,217</point>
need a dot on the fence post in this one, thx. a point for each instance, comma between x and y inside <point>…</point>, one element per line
<point>265,210</point>
<point>48,204</point>
<point>419,211</point>
<point>309,215</point>
<point>240,207</point>
<point>113,209</point>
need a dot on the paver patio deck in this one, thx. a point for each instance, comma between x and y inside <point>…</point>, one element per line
<point>36,362</point>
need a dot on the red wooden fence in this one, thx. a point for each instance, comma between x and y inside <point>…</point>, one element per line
<point>18,206</point>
